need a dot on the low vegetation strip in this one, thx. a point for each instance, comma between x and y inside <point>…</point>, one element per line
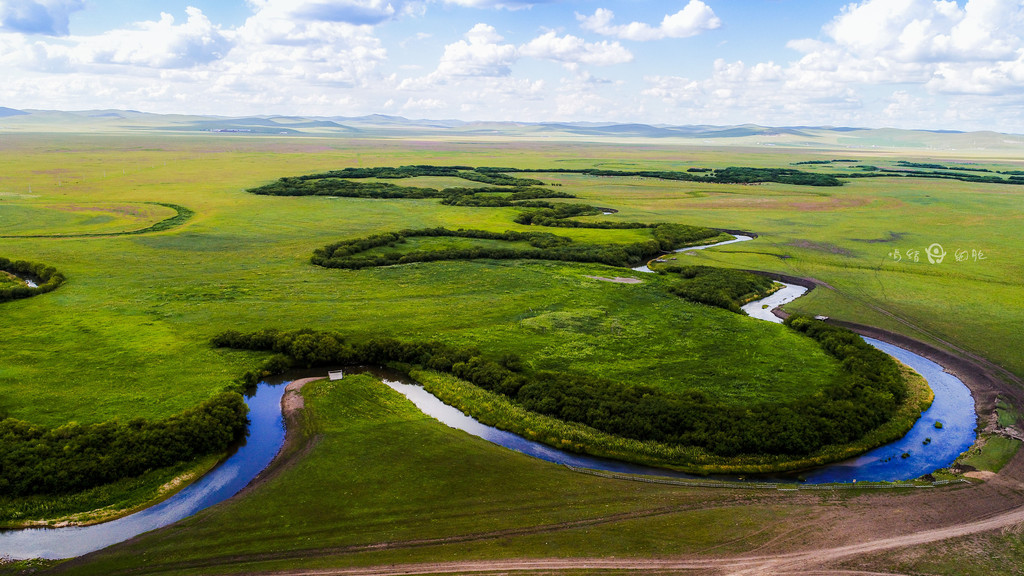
<point>46,278</point>
<point>314,183</point>
<point>39,460</point>
<point>730,175</point>
<point>349,254</point>
<point>182,215</point>
<point>738,484</point>
<point>699,429</point>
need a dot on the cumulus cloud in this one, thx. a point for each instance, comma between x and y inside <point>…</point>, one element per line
<point>934,54</point>
<point>481,53</point>
<point>765,93</point>
<point>976,48</point>
<point>48,17</point>
<point>569,49</point>
<point>159,44</point>
<point>694,18</point>
<point>285,41</point>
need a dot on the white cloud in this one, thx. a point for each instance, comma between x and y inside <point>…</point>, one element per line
<point>160,44</point>
<point>765,93</point>
<point>422,105</point>
<point>694,18</point>
<point>572,50</point>
<point>49,17</point>
<point>480,54</point>
<point>275,47</point>
<point>974,49</point>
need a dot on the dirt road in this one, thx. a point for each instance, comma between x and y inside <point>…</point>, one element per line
<point>804,563</point>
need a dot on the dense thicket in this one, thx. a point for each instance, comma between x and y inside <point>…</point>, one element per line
<point>46,278</point>
<point>39,460</point>
<point>501,197</point>
<point>340,182</point>
<point>722,287</point>
<point>495,176</point>
<point>543,246</point>
<point>865,396</point>
<point>348,254</point>
<point>730,175</point>
<point>330,186</point>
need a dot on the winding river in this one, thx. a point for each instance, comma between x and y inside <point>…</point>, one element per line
<point>926,448</point>
<point>266,435</point>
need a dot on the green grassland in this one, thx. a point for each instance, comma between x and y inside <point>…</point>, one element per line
<point>128,333</point>
<point>9,280</point>
<point>993,454</point>
<point>71,219</point>
<point>383,471</point>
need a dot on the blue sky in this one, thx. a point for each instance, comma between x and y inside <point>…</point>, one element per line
<point>934,64</point>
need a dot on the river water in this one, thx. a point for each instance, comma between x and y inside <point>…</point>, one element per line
<point>737,238</point>
<point>926,447</point>
<point>953,406</point>
<point>266,435</point>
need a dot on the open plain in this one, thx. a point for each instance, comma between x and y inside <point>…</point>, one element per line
<point>372,486</point>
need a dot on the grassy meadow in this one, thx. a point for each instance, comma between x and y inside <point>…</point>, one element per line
<point>384,472</point>
<point>128,333</point>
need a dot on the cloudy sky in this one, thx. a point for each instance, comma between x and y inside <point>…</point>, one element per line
<point>903,63</point>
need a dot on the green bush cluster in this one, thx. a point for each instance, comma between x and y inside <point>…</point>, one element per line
<point>721,287</point>
<point>730,175</point>
<point>500,197</point>
<point>866,396</point>
<point>46,278</point>
<point>39,460</point>
<point>544,246</point>
<point>495,176</point>
<point>329,186</point>
<point>339,182</point>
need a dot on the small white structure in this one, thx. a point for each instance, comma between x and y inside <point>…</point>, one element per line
<point>336,374</point>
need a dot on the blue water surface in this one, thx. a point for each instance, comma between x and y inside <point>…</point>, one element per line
<point>266,437</point>
<point>953,406</point>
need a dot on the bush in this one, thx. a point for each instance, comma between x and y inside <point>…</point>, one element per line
<point>47,279</point>
<point>39,460</point>
<point>721,287</point>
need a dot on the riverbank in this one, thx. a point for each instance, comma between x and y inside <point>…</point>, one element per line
<point>300,434</point>
<point>985,386</point>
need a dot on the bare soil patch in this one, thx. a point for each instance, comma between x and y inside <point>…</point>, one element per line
<point>617,279</point>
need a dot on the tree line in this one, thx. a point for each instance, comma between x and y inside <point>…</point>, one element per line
<point>730,175</point>
<point>543,246</point>
<point>866,396</point>
<point>46,278</point>
<point>39,460</point>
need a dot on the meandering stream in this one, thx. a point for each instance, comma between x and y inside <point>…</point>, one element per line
<point>927,448</point>
<point>266,435</point>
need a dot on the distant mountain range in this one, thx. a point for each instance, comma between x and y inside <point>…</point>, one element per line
<point>378,125</point>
